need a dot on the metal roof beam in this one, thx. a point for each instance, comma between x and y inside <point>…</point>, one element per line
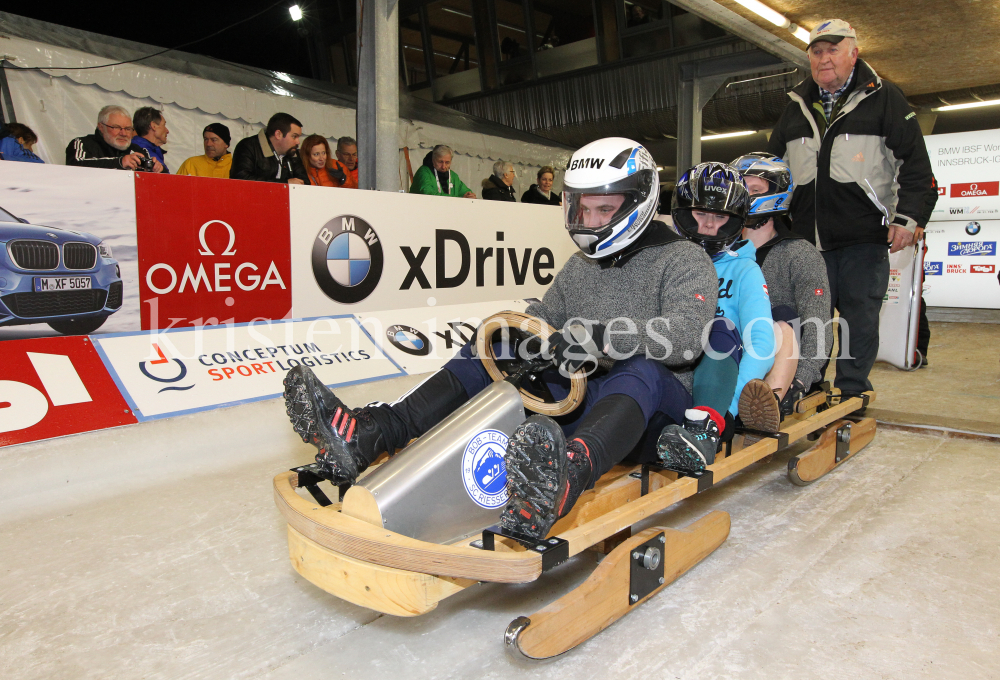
<point>730,21</point>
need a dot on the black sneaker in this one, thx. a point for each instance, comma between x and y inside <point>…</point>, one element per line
<point>691,447</point>
<point>347,440</point>
<point>537,478</point>
<point>793,395</point>
<point>759,409</point>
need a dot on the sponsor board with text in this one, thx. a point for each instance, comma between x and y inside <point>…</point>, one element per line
<point>425,338</point>
<point>967,168</point>
<point>211,250</point>
<point>982,269</point>
<point>375,251</point>
<point>932,268</point>
<point>168,373</point>
<point>972,248</point>
<point>50,387</point>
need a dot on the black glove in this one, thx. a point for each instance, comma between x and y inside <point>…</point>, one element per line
<point>337,174</point>
<point>576,345</point>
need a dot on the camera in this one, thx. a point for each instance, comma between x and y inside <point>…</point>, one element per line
<point>147,164</point>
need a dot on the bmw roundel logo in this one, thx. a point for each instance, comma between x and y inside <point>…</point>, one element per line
<point>973,228</point>
<point>347,259</point>
<point>484,472</point>
<point>408,339</point>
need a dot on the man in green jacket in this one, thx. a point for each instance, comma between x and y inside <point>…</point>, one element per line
<point>436,178</point>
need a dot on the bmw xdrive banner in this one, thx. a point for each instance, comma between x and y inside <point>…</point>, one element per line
<point>371,251</point>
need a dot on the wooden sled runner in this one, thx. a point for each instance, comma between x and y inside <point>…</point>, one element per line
<point>349,548</point>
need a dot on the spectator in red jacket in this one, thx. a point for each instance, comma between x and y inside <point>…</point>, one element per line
<point>322,169</point>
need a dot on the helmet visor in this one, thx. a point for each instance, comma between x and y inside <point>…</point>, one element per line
<point>605,206</point>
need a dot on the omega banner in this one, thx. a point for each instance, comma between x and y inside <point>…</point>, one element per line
<point>960,268</point>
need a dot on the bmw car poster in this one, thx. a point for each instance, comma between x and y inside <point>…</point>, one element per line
<point>67,251</point>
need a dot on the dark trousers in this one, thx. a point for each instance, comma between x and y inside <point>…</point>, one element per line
<point>923,330</point>
<point>859,278</point>
<point>657,391</point>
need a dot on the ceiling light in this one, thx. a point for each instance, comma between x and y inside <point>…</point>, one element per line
<point>296,12</point>
<point>970,105</point>
<point>659,168</point>
<point>744,133</point>
<point>776,18</point>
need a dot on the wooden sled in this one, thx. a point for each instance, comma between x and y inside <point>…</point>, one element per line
<point>343,547</point>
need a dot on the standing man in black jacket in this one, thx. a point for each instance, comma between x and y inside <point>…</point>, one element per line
<point>863,184</point>
<point>270,156</point>
<point>110,146</point>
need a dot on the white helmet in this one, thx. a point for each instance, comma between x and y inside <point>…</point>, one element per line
<point>610,194</point>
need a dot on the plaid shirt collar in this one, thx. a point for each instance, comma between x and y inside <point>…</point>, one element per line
<point>830,98</point>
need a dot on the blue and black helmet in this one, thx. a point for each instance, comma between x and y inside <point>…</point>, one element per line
<point>775,201</point>
<point>714,188</point>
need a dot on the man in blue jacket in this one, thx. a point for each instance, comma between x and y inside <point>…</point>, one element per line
<point>151,134</point>
<point>710,206</point>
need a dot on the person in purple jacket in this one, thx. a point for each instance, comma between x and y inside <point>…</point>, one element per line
<point>17,142</point>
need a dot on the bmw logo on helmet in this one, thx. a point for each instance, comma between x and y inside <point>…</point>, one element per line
<point>347,259</point>
<point>408,339</point>
<point>973,228</point>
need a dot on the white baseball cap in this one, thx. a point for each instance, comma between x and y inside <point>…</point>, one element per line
<point>832,31</point>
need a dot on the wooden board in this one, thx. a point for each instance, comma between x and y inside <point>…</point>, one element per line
<point>359,503</point>
<point>364,541</point>
<point>604,597</point>
<point>821,457</point>
<point>384,589</point>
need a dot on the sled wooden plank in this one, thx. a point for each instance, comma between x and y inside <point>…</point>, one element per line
<point>348,536</point>
<point>604,597</point>
<point>360,504</point>
<point>821,457</point>
<point>810,402</point>
<point>608,495</point>
<point>384,589</point>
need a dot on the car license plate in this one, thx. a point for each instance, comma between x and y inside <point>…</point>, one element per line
<point>53,283</point>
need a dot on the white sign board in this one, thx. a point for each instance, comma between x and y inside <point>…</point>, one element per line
<point>960,269</point>
<point>967,168</point>
<point>423,339</point>
<point>168,373</point>
<point>369,251</point>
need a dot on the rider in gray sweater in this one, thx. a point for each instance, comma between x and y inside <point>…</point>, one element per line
<point>631,307</point>
<point>796,280</point>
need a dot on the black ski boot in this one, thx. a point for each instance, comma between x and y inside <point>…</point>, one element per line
<point>348,441</point>
<point>351,440</point>
<point>793,395</point>
<point>689,448</point>
<point>545,476</point>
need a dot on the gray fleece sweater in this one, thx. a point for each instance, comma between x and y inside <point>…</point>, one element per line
<point>655,299</point>
<point>796,277</point>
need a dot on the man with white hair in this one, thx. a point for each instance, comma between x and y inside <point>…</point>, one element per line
<point>499,185</point>
<point>864,185</point>
<point>436,178</point>
<point>110,146</point>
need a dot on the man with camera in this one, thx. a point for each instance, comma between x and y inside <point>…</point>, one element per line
<point>110,146</point>
<point>150,135</point>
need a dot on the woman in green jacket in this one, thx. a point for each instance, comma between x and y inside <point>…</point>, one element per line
<point>436,178</point>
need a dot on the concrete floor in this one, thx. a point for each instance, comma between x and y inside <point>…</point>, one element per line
<point>155,551</point>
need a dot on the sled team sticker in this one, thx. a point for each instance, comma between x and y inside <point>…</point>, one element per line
<point>484,472</point>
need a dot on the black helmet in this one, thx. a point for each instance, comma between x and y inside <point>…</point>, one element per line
<point>778,197</point>
<point>713,187</point>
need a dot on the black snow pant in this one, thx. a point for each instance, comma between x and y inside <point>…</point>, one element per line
<point>859,278</point>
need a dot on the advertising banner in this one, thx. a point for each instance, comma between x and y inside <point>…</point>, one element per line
<point>960,269</point>
<point>374,251</point>
<point>423,339</point>
<point>50,387</point>
<point>179,371</point>
<point>967,168</point>
<point>67,251</point>
<point>211,251</point>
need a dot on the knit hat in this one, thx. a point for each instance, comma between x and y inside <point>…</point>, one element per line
<point>218,129</point>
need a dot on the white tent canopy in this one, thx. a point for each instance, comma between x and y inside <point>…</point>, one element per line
<point>62,104</point>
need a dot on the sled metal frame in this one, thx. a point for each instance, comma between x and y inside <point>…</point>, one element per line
<point>336,551</point>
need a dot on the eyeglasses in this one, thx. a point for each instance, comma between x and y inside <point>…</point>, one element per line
<point>118,128</point>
